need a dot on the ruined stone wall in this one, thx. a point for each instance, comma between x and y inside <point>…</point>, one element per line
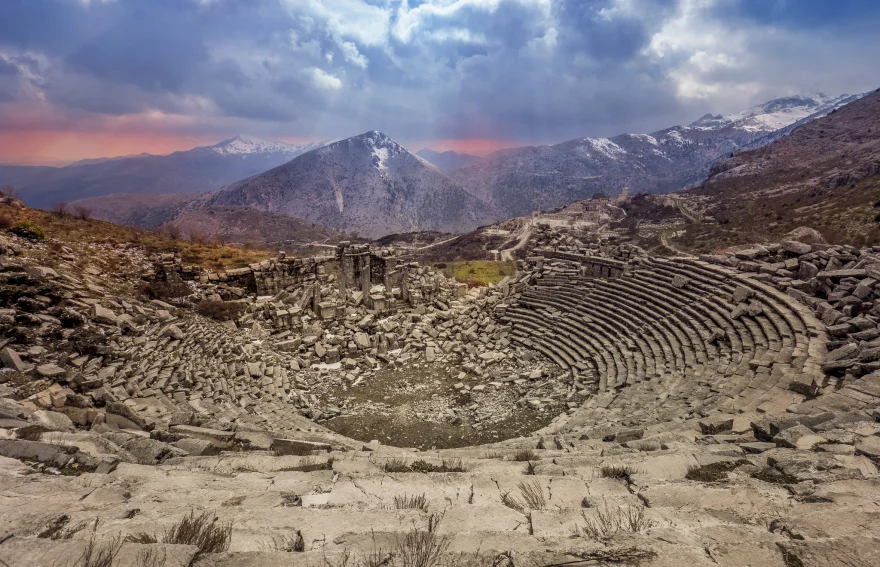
<point>264,278</point>
<point>595,266</point>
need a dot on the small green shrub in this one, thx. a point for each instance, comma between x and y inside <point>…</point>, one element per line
<point>27,229</point>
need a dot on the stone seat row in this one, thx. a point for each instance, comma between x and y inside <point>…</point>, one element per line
<point>643,327</point>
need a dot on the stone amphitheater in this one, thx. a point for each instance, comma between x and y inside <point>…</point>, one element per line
<point>716,410</point>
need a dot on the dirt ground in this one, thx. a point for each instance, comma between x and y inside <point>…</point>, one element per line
<point>418,406</point>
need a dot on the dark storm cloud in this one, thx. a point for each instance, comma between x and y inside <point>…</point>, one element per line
<point>541,70</point>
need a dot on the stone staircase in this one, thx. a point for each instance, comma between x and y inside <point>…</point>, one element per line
<point>346,503</point>
<point>674,336</point>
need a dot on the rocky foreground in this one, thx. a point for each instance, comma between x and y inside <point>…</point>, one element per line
<point>121,416</point>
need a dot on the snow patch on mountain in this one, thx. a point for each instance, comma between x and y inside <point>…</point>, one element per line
<point>246,145</point>
<point>603,146</point>
<point>645,138</point>
<point>773,115</point>
<point>674,135</point>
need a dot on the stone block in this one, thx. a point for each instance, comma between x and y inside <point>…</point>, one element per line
<point>716,425</point>
<point>11,360</point>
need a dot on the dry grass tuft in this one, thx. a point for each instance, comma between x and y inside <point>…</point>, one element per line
<point>524,455</point>
<point>411,502</point>
<point>619,472</point>
<point>609,521</point>
<point>58,529</point>
<point>531,497</point>
<point>422,547</point>
<point>151,557</point>
<point>396,466</point>
<point>203,531</point>
<point>99,554</point>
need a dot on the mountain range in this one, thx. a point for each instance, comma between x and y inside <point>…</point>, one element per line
<point>371,185</point>
<point>192,171</point>
<point>521,180</point>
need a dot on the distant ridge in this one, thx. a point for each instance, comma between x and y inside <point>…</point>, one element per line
<point>192,171</point>
<point>447,159</point>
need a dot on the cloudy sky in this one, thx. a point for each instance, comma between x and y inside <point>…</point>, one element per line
<point>89,78</point>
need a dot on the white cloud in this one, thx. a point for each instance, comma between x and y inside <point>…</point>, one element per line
<point>697,48</point>
<point>351,54</point>
<point>350,19</point>
<point>326,81</point>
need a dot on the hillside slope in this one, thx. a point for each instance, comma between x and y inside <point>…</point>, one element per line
<point>367,184</point>
<point>243,225</point>
<point>824,175</point>
<point>132,209</point>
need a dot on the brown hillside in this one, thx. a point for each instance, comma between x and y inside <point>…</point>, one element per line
<point>824,175</point>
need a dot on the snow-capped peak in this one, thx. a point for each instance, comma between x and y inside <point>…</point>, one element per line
<point>773,115</point>
<point>381,146</point>
<point>603,146</point>
<point>245,145</point>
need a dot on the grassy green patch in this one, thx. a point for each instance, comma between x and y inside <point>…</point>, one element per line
<point>477,273</point>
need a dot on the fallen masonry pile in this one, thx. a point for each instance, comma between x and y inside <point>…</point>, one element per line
<point>564,239</point>
<point>840,283</point>
<point>284,358</point>
<point>702,427</point>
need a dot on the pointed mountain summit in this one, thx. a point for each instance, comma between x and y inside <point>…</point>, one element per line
<point>368,184</point>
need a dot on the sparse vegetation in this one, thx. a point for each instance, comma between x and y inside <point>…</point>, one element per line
<point>411,502</point>
<point>151,557</point>
<point>618,472</point>
<point>204,531</point>
<point>98,554</point>
<point>532,497</point>
<point>524,455</point>
<point>422,547</point>
<point>82,213</point>
<point>62,210</point>
<point>27,229</point>
<point>59,529</point>
<point>607,521</point>
<point>420,466</point>
<point>6,220</point>
<point>477,273</point>
<point>74,229</point>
